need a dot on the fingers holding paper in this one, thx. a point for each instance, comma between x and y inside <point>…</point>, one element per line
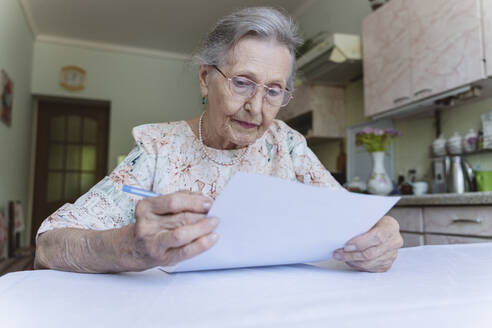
<point>375,250</point>
<point>172,228</point>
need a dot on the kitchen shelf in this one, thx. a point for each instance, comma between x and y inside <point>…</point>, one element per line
<point>477,152</point>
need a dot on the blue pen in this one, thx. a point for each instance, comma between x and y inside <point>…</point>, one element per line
<point>139,191</point>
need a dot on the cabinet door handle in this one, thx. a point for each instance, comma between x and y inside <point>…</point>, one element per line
<point>476,221</point>
<point>398,100</point>
<point>418,93</point>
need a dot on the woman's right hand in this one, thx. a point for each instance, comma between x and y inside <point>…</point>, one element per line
<point>172,228</point>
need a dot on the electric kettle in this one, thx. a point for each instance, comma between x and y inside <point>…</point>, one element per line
<point>460,176</point>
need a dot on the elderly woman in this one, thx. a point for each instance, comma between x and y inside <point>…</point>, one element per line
<point>246,70</point>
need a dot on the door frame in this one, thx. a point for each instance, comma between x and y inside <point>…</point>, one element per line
<point>29,238</point>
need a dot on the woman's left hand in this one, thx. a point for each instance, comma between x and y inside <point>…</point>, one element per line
<point>375,250</point>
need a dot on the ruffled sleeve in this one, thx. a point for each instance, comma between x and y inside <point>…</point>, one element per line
<point>106,206</point>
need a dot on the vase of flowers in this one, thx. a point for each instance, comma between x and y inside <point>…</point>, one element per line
<point>376,141</point>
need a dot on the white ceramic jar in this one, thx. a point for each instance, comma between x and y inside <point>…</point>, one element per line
<point>455,144</point>
<point>420,188</point>
<point>439,146</point>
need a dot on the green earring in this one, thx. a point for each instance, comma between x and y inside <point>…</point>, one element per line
<point>204,100</point>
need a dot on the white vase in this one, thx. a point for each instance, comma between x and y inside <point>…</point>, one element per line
<point>379,182</point>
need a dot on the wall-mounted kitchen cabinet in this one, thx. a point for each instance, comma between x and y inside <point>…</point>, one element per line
<point>386,58</point>
<point>317,111</point>
<point>417,49</point>
<point>487,21</point>
<point>446,45</point>
<point>433,225</point>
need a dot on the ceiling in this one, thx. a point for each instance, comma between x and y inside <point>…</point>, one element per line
<point>172,27</point>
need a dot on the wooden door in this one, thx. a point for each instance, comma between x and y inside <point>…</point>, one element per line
<point>71,153</point>
<point>487,26</point>
<point>446,42</point>
<point>387,61</point>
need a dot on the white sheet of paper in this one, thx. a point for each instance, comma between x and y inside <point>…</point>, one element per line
<point>265,220</point>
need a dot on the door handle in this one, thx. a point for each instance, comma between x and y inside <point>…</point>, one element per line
<point>398,100</point>
<point>418,93</point>
<point>476,221</point>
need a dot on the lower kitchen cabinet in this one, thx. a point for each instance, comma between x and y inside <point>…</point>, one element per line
<point>409,218</point>
<point>411,239</point>
<point>432,239</point>
<point>436,225</point>
<point>459,220</point>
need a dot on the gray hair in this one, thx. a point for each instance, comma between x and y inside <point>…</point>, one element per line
<point>263,22</point>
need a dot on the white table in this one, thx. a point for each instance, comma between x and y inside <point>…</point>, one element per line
<point>428,286</point>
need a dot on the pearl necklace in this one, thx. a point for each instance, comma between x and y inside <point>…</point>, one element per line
<point>233,162</point>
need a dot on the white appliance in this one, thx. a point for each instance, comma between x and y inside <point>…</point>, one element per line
<point>337,60</point>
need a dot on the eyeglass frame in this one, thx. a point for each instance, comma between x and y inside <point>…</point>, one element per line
<point>265,87</point>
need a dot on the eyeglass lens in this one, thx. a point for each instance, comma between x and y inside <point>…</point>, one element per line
<point>245,87</point>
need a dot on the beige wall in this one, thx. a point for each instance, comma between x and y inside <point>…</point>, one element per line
<point>16,48</point>
<point>141,89</point>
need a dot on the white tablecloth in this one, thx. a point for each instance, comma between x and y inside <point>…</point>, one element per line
<point>429,286</point>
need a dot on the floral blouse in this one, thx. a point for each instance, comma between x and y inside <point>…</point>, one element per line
<point>168,157</point>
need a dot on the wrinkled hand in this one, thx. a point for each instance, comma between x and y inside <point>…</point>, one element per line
<point>172,228</point>
<point>375,250</point>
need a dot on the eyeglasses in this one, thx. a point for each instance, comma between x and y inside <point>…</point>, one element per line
<point>246,88</point>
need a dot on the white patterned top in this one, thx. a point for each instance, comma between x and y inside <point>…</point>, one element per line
<point>168,157</point>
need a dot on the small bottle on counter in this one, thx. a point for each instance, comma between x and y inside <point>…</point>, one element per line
<point>412,175</point>
<point>480,140</point>
<point>401,180</point>
<point>397,186</point>
<point>404,187</point>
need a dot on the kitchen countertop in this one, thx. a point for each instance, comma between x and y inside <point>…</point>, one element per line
<point>468,198</point>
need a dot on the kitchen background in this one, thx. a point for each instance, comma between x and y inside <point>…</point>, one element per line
<point>152,86</point>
